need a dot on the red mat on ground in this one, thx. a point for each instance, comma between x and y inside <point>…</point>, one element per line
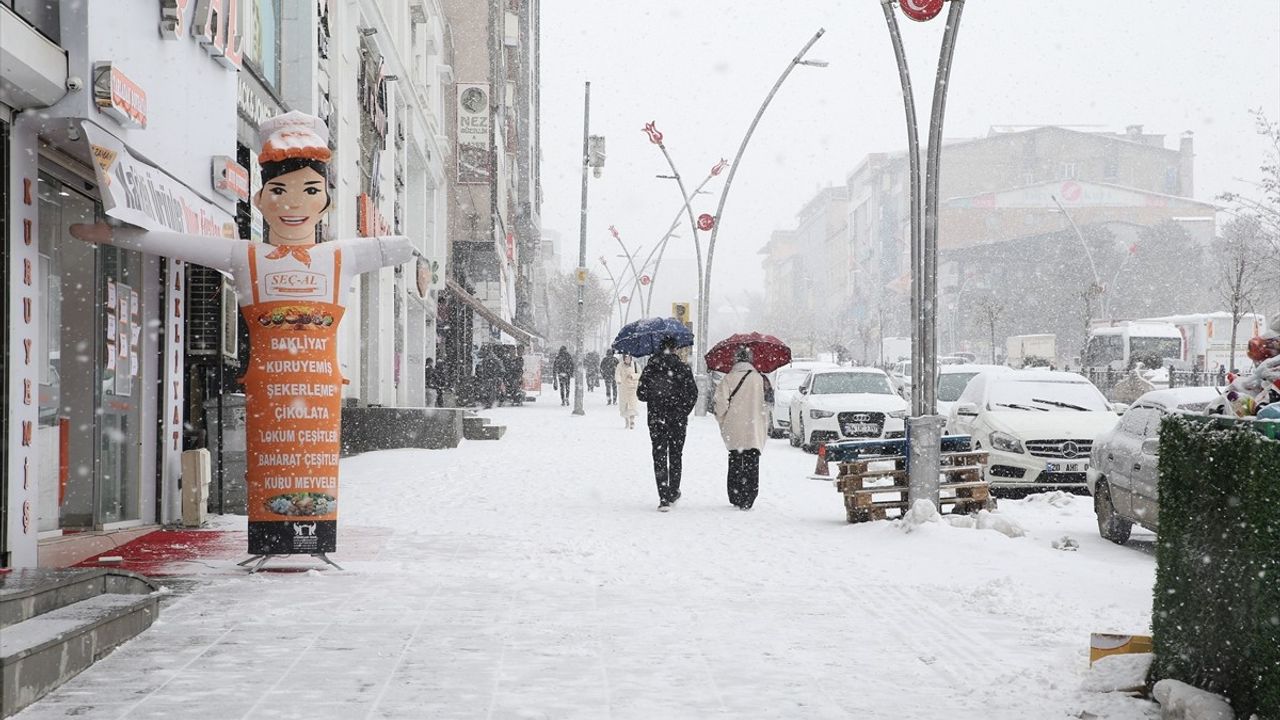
<point>173,552</point>
<point>164,552</point>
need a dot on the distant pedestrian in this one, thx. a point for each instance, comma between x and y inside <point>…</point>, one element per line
<point>608,364</point>
<point>1222,374</point>
<point>562,369</point>
<point>740,408</point>
<point>429,382</point>
<point>489,373</point>
<point>667,386</point>
<point>626,378</point>
<point>591,365</point>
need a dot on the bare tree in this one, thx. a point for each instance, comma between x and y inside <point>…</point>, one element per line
<point>988,311</point>
<point>562,292</point>
<point>1242,271</point>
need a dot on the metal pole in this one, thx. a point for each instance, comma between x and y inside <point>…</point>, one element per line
<point>1097,280</point>
<point>631,263</point>
<point>693,228</point>
<point>929,383</point>
<point>704,311</point>
<point>662,244</point>
<point>913,156</point>
<point>582,252</point>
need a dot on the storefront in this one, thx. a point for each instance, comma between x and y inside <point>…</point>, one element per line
<point>95,335</point>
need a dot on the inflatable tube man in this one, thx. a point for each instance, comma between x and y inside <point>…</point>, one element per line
<point>291,290</point>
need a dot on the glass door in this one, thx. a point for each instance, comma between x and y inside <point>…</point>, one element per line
<point>120,422</point>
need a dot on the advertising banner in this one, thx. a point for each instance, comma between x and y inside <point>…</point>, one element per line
<point>475,162</point>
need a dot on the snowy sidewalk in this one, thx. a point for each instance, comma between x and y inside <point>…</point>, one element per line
<point>532,578</point>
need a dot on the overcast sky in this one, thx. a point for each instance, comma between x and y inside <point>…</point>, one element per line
<point>700,69</point>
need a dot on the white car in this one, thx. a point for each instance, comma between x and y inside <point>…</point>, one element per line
<point>786,380</point>
<point>900,374</point>
<point>845,404</point>
<point>953,379</point>
<point>1037,426</point>
<point>1122,473</point>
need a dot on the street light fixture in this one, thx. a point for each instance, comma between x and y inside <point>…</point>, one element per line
<point>704,310</point>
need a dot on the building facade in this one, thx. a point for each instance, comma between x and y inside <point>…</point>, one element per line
<point>994,189</point>
<point>98,123</point>
<point>493,187</point>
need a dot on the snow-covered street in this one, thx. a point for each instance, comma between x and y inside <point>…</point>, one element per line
<point>532,578</point>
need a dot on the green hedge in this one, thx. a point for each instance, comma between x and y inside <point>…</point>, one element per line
<point>1216,614</point>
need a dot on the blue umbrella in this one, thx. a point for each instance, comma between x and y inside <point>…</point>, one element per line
<point>644,336</point>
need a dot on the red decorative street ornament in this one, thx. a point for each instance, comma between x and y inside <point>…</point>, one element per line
<point>706,221</point>
<point>719,167</point>
<point>624,299</point>
<point>921,10</point>
<point>613,230</point>
<point>645,280</point>
<point>655,137</point>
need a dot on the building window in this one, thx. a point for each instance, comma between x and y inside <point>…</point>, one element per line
<point>43,15</point>
<point>1068,171</point>
<point>262,39</point>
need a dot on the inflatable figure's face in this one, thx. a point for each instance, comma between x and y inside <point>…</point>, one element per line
<point>292,205</point>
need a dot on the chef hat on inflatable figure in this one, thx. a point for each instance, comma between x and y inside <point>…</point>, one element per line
<point>294,136</point>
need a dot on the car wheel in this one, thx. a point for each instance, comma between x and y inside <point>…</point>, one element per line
<point>1111,526</point>
<point>805,445</point>
<point>791,434</point>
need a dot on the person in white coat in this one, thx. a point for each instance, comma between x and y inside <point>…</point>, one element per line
<point>740,409</point>
<point>628,379</point>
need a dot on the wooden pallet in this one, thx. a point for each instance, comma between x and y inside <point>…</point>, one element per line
<point>962,480</point>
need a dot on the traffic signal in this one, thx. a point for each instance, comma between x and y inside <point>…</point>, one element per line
<point>680,311</point>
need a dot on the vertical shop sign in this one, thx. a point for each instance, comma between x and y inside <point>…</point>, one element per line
<point>475,162</point>
<point>22,371</point>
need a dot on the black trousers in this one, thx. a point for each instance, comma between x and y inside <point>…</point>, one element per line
<point>563,382</point>
<point>667,435</point>
<point>744,477</point>
<point>610,389</point>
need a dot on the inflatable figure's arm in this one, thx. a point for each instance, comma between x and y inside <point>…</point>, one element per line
<point>214,252</point>
<point>364,254</point>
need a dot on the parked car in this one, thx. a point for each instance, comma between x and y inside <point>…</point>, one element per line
<point>843,404</point>
<point>900,374</point>
<point>786,380</point>
<point>1037,426</point>
<point>953,379</point>
<point>1122,473</point>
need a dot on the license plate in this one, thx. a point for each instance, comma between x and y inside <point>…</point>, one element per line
<point>861,429</point>
<point>1064,467</point>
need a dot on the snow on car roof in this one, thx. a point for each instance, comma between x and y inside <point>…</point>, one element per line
<point>972,368</point>
<point>1042,376</point>
<point>1175,397</point>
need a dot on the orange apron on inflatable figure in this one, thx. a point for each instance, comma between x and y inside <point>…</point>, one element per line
<point>292,428</point>
<point>294,292</point>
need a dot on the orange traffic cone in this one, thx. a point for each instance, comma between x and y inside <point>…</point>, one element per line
<point>821,470</point>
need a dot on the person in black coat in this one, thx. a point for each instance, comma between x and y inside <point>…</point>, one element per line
<point>668,388</point>
<point>563,368</point>
<point>489,373</point>
<point>608,364</point>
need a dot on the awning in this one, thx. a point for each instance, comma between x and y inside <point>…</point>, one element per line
<point>523,337</point>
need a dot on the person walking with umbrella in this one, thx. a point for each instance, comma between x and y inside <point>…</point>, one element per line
<point>562,369</point>
<point>627,381</point>
<point>668,388</point>
<point>608,365</point>
<point>740,410</point>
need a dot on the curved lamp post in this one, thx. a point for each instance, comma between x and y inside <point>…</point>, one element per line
<point>655,137</point>
<point>704,311</point>
<point>616,291</point>
<point>661,247</point>
<point>631,262</point>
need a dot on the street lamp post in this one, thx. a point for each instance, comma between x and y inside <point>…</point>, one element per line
<point>592,156</point>
<point>924,428</point>
<point>675,222</point>
<point>655,137</point>
<point>704,310</point>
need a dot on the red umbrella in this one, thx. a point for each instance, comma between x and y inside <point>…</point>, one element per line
<point>768,352</point>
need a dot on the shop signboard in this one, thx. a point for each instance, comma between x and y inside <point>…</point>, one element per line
<point>230,178</point>
<point>118,97</point>
<point>475,162</point>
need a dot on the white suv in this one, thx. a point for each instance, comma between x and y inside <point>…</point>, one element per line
<point>786,381</point>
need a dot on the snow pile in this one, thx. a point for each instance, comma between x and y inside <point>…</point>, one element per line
<point>921,512</point>
<point>1119,673</point>
<point>1057,498</point>
<point>1066,542</point>
<point>1180,701</point>
<point>1002,524</point>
